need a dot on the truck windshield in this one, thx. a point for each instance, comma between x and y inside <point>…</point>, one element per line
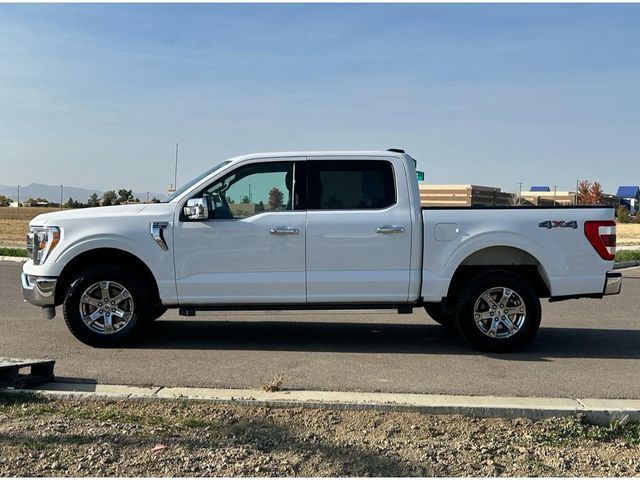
<point>192,182</point>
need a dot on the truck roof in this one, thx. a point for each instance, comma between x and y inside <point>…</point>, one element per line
<point>320,153</point>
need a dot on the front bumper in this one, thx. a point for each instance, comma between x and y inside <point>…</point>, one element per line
<point>613,283</point>
<point>38,291</point>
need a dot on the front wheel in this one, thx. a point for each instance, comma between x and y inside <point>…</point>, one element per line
<point>106,306</point>
<point>497,311</point>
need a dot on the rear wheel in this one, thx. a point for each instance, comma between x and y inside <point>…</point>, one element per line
<point>106,306</point>
<point>497,311</point>
<point>434,310</point>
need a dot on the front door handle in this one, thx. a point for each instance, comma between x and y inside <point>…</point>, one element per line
<point>283,231</point>
<point>389,229</point>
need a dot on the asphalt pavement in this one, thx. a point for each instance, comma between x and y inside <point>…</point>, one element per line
<point>585,348</point>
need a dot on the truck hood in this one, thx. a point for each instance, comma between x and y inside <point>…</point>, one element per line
<point>88,213</point>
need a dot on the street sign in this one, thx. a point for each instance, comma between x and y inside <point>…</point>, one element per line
<point>420,176</point>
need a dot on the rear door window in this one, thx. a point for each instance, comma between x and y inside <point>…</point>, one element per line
<point>350,184</point>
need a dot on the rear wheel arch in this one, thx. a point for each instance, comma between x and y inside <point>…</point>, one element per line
<point>101,256</point>
<point>499,258</point>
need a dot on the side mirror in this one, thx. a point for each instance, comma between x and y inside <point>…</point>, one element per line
<point>196,209</point>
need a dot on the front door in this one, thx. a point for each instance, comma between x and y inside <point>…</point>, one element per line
<point>358,232</point>
<point>252,248</point>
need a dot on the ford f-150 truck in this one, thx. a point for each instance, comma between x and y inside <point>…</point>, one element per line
<point>316,230</point>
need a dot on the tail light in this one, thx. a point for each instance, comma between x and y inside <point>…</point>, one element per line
<point>602,237</point>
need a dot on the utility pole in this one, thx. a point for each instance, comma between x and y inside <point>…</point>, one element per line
<point>175,173</point>
<point>18,198</point>
<point>147,197</point>
<point>577,182</point>
<point>555,189</point>
<point>520,193</point>
<point>249,193</point>
<point>61,188</point>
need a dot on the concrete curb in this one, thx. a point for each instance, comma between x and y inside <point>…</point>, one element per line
<point>600,411</point>
<point>4,258</point>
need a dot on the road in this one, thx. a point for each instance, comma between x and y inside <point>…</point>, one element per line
<point>585,348</point>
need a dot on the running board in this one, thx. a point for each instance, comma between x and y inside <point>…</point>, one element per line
<point>190,311</point>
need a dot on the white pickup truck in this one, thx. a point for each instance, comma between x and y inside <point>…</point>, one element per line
<point>316,231</point>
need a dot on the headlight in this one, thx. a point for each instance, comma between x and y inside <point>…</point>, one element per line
<point>41,241</point>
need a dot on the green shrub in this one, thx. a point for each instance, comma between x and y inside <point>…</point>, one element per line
<point>622,214</point>
<point>12,252</point>
<point>627,255</point>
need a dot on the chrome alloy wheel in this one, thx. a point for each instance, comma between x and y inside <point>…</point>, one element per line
<point>106,307</point>
<point>499,312</point>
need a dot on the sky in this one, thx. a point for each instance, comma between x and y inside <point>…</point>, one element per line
<point>98,95</point>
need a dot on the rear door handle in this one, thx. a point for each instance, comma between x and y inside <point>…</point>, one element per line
<point>284,231</point>
<point>389,229</point>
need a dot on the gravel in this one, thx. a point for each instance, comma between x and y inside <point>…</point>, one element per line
<point>78,437</point>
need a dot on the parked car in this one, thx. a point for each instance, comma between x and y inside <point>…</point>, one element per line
<point>316,230</point>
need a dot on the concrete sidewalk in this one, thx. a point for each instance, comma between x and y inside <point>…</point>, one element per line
<point>600,411</point>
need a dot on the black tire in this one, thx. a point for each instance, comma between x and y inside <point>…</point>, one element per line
<point>434,310</point>
<point>123,276</point>
<point>502,282</point>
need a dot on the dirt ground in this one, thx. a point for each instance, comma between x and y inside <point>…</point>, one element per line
<point>628,233</point>
<point>101,438</point>
<point>14,225</point>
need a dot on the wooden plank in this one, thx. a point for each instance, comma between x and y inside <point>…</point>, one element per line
<point>12,372</point>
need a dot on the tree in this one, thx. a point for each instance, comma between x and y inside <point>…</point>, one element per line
<point>259,207</point>
<point>41,201</point>
<point>584,187</point>
<point>155,200</point>
<point>5,201</point>
<point>124,195</point>
<point>276,199</point>
<point>70,203</point>
<point>109,198</point>
<point>245,199</point>
<point>93,200</point>
<point>596,193</point>
<point>622,214</point>
<point>589,193</point>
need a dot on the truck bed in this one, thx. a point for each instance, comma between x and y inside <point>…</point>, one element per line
<point>551,239</point>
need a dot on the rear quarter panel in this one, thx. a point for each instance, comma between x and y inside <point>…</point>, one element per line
<point>567,262</point>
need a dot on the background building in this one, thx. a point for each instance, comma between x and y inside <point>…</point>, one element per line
<point>629,197</point>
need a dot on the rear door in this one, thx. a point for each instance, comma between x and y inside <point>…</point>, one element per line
<point>358,239</point>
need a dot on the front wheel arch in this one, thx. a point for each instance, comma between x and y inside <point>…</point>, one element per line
<point>112,256</point>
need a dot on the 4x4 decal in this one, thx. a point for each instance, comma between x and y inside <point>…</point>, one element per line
<point>559,224</point>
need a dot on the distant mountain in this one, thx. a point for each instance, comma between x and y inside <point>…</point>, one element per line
<point>52,192</point>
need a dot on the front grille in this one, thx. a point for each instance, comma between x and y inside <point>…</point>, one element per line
<point>30,245</point>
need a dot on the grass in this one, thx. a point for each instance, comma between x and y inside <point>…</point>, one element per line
<point>627,255</point>
<point>12,252</point>
<point>561,431</point>
<point>34,405</point>
<point>274,385</point>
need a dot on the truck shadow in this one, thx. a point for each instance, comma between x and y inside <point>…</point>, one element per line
<point>379,338</point>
